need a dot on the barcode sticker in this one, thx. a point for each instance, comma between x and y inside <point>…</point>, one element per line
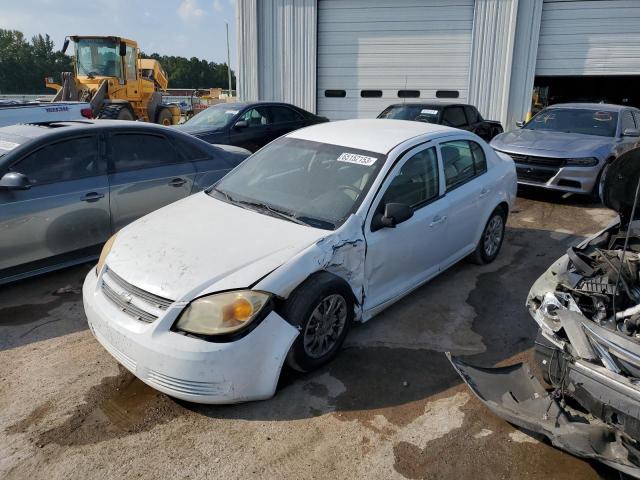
<point>427,111</point>
<point>358,159</point>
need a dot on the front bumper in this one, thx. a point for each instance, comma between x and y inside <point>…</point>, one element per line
<point>185,367</point>
<point>565,179</point>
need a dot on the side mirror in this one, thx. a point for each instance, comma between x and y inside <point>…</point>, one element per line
<point>123,49</point>
<point>241,124</point>
<point>14,181</point>
<point>631,132</point>
<point>519,124</point>
<point>394,214</point>
<point>65,45</point>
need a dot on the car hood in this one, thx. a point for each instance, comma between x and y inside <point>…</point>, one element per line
<point>558,143</point>
<point>203,243</point>
<point>620,182</point>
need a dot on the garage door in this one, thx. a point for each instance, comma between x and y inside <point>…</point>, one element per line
<point>589,37</point>
<point>372,53</point>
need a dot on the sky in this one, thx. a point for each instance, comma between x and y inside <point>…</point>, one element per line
<point>188,28</point>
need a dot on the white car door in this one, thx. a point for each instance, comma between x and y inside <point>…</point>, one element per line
<point>400,259</point>
<point>466,189</point>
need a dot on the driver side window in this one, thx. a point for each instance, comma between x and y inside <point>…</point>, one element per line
<point>416,182</point>
<point>256,117</point>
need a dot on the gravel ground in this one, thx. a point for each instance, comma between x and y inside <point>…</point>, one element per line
<point>390,406</point>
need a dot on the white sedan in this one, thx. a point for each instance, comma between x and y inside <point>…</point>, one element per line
<point>207,298</point>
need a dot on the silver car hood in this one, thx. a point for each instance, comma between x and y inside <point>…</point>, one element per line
<point>552,143</point>
<point>203,243</point>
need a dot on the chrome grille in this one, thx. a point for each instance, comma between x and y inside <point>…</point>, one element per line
<point>133,301</point>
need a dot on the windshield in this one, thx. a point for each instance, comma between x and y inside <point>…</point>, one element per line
<point>8,143</point>
<point>98,57</point>
<point>419,113</point>
<point>575,120</point>
<point>313,183</point>
<point>216,116</point>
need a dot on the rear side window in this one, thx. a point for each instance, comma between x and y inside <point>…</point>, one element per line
<point>132,151</point>
<point>284,114</point>
<point>472,114</point>
<point>462,160</point>
<point>62,161</point>
<point>454,117</point>
<point>626,121</point>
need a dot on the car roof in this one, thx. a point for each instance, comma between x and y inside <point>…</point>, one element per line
<point>429,104</point>
<point>604,107</point>
<point>375,135</point>
<point>35,130</point>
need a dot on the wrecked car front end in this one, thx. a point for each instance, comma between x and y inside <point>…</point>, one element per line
<point>587,305</point>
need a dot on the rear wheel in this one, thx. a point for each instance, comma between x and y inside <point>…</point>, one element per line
<point>491,240</point>
<point>164,117</point>
<point>116,112</point>
<point>322,309</point>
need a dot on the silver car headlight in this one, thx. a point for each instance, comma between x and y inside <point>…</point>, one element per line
<point>582,162</point>
<point>222,313</point>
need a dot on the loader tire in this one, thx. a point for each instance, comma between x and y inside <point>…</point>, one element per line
<point>165,117</point>
<point>116,112</point>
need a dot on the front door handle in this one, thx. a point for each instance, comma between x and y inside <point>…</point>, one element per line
<point>437,219</point>
<point>92,197</point>
<point>177,182</point>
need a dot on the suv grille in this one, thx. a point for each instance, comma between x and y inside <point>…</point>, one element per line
<point>133,301</point>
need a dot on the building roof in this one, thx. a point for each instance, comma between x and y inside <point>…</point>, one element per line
<point>375,135</point>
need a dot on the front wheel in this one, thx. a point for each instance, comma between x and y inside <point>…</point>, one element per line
<point>491,240</point>
<point>322,309</point>
<point>596,193</point>
<point>165,117</point>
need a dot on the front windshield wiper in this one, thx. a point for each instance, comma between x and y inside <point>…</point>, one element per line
<point>279,213</point>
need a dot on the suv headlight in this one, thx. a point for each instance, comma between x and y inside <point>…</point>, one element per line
<point>222,313</point>
<point>582,162</point>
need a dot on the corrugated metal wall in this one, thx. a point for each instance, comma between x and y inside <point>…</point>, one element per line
<point>494,28</point>
<point>287,51</point>
<point>247,34</point>
<point>589,37</point>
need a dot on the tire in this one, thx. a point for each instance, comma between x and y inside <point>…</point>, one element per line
<point>164,117</point>
<point>116,112</point>
<point>595,193</point>
<point>304,310</point>
<point>491,239</point>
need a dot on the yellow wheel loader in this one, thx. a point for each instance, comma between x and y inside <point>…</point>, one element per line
<point>117,83</point>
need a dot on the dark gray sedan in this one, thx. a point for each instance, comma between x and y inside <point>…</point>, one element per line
<point>568,147</point>
<point>66,187</point>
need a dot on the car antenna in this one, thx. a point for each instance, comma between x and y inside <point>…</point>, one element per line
<point>626,243</point>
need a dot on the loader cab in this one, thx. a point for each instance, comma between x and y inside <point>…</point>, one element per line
<point>100,57</point>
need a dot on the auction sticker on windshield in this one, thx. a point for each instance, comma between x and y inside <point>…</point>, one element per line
<point>427,111</point>
<point>355,158</point>
<point>4,145</point>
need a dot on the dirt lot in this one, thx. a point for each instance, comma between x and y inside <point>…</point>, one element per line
<point>389,407</point>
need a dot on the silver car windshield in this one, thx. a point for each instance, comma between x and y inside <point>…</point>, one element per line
<point>575,120</point>
<point>216,116</point>
<point>317,184</point>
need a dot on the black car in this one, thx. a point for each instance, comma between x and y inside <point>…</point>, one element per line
<point>457,115</point>
<point>249,125</point>
<point>66,187</point>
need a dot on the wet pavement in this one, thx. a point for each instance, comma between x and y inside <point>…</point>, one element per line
<point>390,406</point>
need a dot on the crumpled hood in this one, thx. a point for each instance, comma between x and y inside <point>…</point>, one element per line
<point>620,182</point>
<point>202,242</point>
<point>571,144</point>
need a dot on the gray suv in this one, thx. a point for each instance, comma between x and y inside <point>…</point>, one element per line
<point>567,147</point>
<point>66,187</point>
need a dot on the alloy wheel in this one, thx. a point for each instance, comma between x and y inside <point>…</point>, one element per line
<point>325,326</point>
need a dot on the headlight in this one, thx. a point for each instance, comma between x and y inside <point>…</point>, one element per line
<point>105,251</point>
<point>582,162</point>
<point>222,312</point>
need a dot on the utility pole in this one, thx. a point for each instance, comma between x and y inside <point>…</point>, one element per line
<point>228,58</point>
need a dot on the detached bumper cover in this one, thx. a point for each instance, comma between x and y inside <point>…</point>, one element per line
<point>185,367</point>
<point>514,394</point>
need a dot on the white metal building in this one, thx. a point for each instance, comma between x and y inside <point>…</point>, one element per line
<point>352,58</point>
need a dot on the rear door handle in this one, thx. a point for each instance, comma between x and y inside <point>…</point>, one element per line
<point>92,197</point>
<point>177,182</point>
<point>484,192</point>
<point>437,219</point>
